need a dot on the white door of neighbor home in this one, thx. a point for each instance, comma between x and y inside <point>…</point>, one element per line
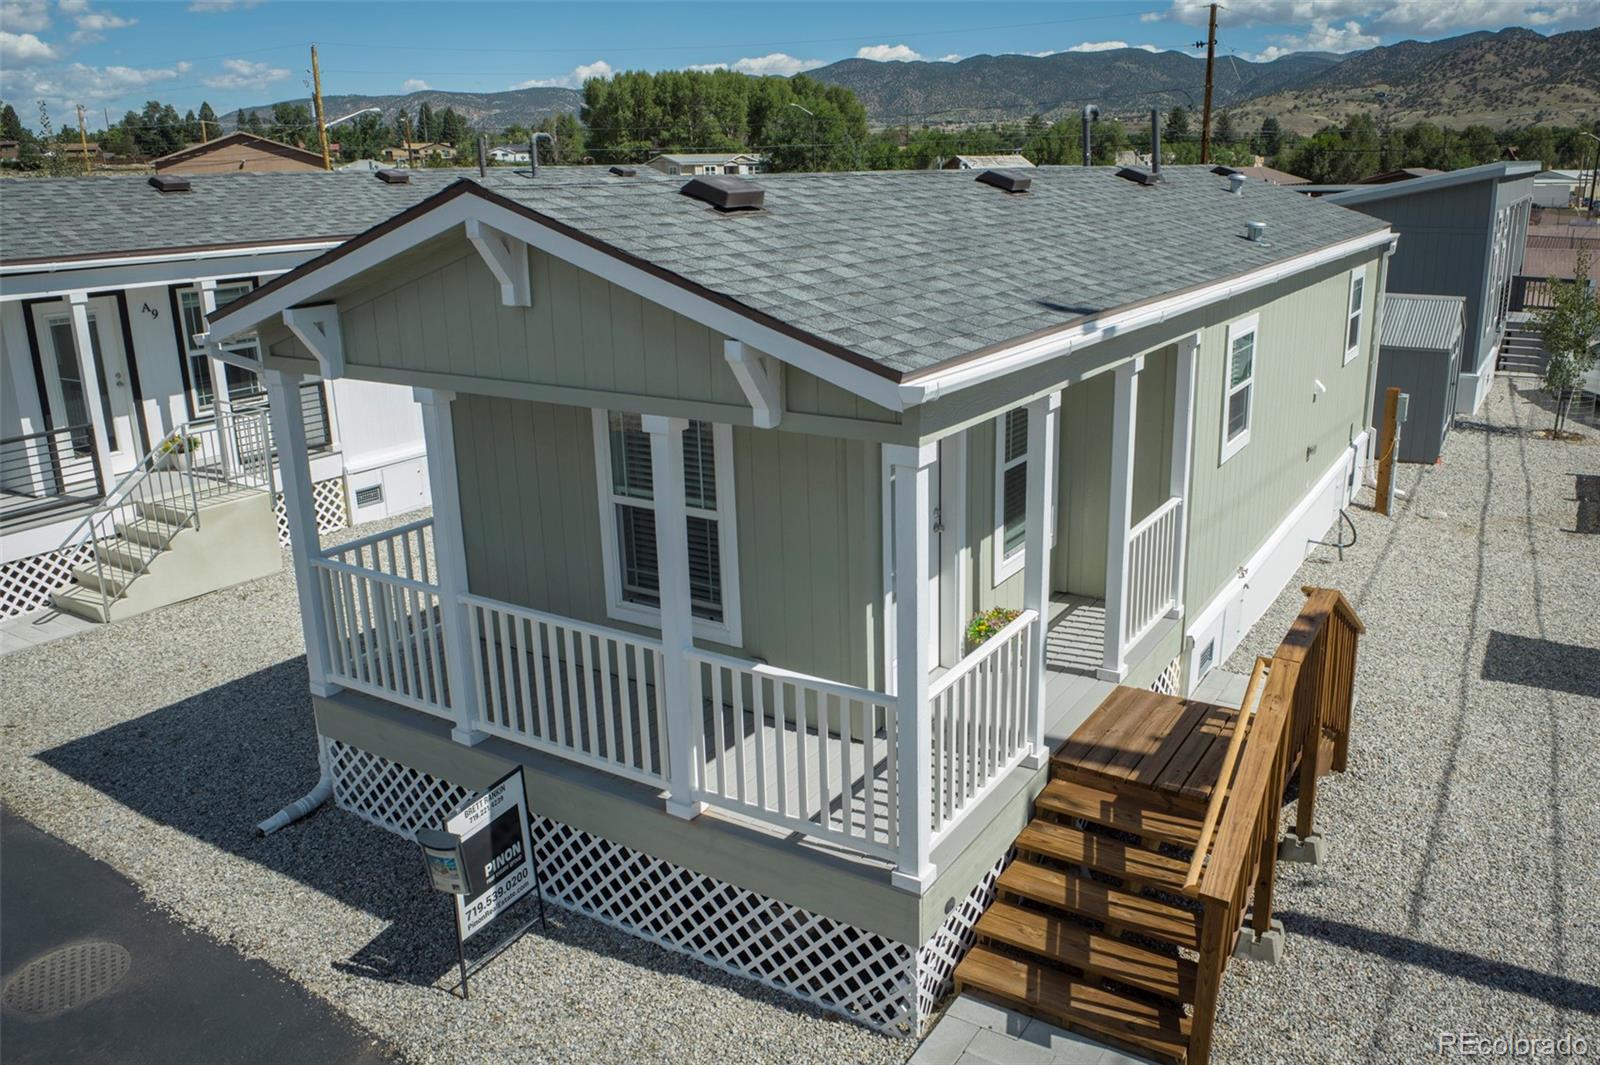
<point>69,395</point>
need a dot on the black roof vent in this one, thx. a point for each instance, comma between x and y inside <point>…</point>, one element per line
<point>169,183</point>
<point>1142,176</point>
<point>1006,180</point>
<point>1224,171</point>
<point>624,171</point>
<point>725,192</point>
<point>394,177</point>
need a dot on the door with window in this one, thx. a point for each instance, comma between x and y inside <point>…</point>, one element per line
<point>69,393</point>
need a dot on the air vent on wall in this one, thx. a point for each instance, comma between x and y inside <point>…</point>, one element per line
<point>394,177</point>
<point>370,496</point>
<point>1005,180</point>
<point>169,183</point>
<point>726,193</point>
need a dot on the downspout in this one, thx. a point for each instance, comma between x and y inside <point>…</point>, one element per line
<point>1091,113</point>
<point>319,794</point>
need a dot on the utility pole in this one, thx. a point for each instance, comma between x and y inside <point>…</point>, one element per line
<point>1211,62</point>
<point>204,139</point>
<point>83,140</point>
<point>316,95</point>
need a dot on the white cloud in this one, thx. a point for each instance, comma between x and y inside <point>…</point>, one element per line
<point>1110,46</point>
<point>580,74</point>
<point>213,7</point>
<point>888,53</point>
<point>245,74</point>
<point>780,64</point>
<point>1323,37</point>
<point>951,58</point>
<point>92,25</point>
<point>414,85</point>
<point>23,50</point>
<point>80,83</point>
<point>25,16</point>
<point>1420,17</point>
<point>73,7</point>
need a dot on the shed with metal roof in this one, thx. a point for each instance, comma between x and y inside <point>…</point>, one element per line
<point>1420,354</point>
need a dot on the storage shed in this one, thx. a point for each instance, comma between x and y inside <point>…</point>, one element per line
<point>1420,354</point>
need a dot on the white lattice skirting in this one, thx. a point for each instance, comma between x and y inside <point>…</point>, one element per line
<point>328,499</point>
<point>882,983</point>
<point>26,583</point>
<point>1166,681</point>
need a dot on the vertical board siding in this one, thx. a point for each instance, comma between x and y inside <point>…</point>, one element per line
<point>1152,445</point>
<point>1236,505</point>
<point>1078,564</point>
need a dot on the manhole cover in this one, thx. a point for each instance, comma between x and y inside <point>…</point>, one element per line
<point>66,978</point>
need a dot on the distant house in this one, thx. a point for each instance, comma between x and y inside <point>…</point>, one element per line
<point>239,153</point>
<point>75,150</point>
<point>690,165</point>
<point>504,154</point>
<point>1271,175</point>
<point>985,162</point>
<point>9,151</point>
<point>1555,188</point>
<point>420,150</point>
<point>366,166</point>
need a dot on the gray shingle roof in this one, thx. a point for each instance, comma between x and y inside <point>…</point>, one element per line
<point>1429,323</point>
<point>912,268</point>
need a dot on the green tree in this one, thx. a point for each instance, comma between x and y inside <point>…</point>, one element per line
<point>10,125</point>
<point>1570,327</point>
<point>1177,124</point>
<point>291,123</point>
<point>452,128</point>
<point>427,125</point>
<point>1269,142</point>
<point>208,118</point>
<point>1222,131</point>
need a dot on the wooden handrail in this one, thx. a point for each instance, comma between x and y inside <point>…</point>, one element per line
<point>1247,708</point>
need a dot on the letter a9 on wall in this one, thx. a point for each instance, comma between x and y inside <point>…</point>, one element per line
<point>496,850</point>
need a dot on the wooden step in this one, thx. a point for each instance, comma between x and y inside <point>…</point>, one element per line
<point>1104,854</point>
<point>1066,942</point>
<point>1120,910</point>
<point>1061,1000</point>
<point>1071,773</point>
<point>1126,812</point>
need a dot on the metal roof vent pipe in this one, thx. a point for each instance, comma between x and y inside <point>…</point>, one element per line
<point>1236,184</point>
<point>1091,113</point>
<point>533,149</point>
<point>483,155</point>
<point>1155,141</point>
<point>1255,232</point>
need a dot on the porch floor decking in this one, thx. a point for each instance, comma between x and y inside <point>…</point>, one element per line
<point>1076,634</point>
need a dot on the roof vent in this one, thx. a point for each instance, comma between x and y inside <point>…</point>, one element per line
<point>394,177</point>
<point>1005,180</point>
<point>169,183</point>
<point>1142,176</point>
<point>1223,171</point>
<point>1236,184</point>
<point>726,193</point>
<point>1255,231</point>
<point>624,171</point>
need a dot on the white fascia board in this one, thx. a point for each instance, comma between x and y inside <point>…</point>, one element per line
<point>56,285</point>
<point>455,212</point>
<point>56,266</point>
<point>1065,341</point>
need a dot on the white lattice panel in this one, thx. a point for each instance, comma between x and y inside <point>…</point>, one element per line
<point>939,956</point>
<point>1166,681</point>
<point>829,963</point>
<point>26,583</point>
<point>327,497</point>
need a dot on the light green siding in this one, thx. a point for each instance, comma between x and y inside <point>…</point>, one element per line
<point>1295,435</point>
<point>1078,564</point>
<point>807,510</point>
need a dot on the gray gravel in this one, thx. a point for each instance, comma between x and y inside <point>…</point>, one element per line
<point>1461,891</point>
<point>157,743</point>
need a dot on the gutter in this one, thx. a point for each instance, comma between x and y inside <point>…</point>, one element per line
<point>935,383</point>
<point>50,266</point>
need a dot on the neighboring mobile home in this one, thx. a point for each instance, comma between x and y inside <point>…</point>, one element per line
<point>722,470</point>
<point>239,153</point>
<point>106,281</point>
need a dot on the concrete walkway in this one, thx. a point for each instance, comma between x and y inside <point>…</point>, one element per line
<point>39,627</point>
<point>975,1032</point>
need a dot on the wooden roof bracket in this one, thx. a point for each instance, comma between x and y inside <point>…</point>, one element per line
<point>761,377</point>
<point>507,258</point>
<point>318,329</point>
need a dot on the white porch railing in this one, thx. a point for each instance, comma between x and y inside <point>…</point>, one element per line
<point>979,721</point>
<point>581,691</point>
<point>406,551</point>
<point>1152,567</point>
<point>797,751</point>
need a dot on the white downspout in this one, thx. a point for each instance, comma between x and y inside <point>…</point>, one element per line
<point>300,807</point>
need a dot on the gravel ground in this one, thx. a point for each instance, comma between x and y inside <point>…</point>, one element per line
<point>1460,893</point>
<point>156,744</point>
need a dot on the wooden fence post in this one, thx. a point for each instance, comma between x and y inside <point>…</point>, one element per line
<point>1386,450</point>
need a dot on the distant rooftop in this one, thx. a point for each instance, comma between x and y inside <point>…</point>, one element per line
<point>987,162</point>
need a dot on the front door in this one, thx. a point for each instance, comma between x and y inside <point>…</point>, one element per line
<point>69,395</point>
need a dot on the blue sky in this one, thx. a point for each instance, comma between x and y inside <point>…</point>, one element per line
<point>109,55</point>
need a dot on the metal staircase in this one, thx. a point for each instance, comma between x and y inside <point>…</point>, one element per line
<point>196,470</point>
<point>1522,350</point>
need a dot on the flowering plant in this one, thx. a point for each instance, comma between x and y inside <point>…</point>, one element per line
<point>986,623</point>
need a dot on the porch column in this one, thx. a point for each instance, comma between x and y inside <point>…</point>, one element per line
<point>1182,454</point>
<point>289,433</point>
<point>1042,414</point>
<point>221,403</point>
<point>912,516</point>
<point>1120,519</point>
<point>450,560</point>
<point>89,371</point>
<point>677,615</point>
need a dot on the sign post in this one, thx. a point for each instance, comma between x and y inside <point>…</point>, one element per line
<point>484,858</point>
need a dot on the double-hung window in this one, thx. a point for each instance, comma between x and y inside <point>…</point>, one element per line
<point>1352,336</point>
<point>1010,492</point>
<point>626,480</point>
<point>1239,395</point>
<point>242,384</point>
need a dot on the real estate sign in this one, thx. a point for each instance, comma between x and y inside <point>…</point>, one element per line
<point>496,850</point>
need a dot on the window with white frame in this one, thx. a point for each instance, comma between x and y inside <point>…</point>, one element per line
<point>628,524</point>
<point>1010,492</point>
<point>242,384</point>
<point>1239,395</point>
<point>1352,336</point>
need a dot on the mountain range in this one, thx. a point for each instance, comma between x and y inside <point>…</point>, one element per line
<point>1510,77</point>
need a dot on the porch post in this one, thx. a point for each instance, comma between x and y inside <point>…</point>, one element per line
<point>289,433</point>
<point>89,371</point>
<point>1120,519</point>
<point>1036,560</point>
<point>450,560</point>
<point>221,403</point>
<point>677,615</point>
<point>912,515</point>
<point>1182,454</point>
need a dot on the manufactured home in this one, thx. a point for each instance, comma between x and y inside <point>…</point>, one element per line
<point>723,472</point>
<point>110,413</point>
